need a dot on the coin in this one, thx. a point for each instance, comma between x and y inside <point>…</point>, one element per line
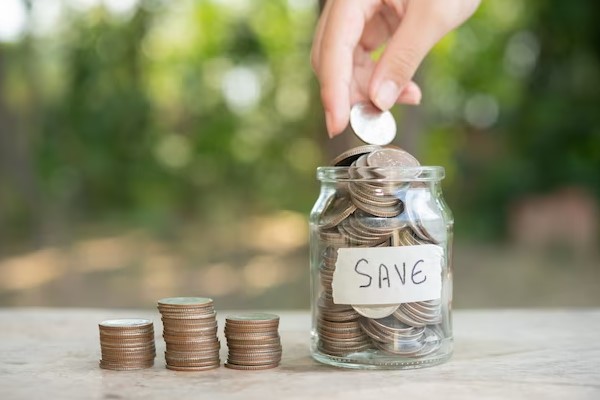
<point>193,369</point>
<point>119,324</point>
<point>336,211</point>
<point>252,318</point>
<point>378,311</point>
<point>372,125</point>
<point>186,301</point>
<point>349,156</point>
<point>251,367</point>
<point>425,215</point>
<point>395,158</point>
<point>120,366</point>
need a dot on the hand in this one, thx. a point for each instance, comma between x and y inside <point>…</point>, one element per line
<point>350,30</point>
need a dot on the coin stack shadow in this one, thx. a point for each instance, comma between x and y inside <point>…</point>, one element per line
<point>127,344</point>
<point>376,207</point>
<point>253,341</point>
<point>190,333</point>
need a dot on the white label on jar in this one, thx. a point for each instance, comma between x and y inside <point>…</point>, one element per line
<point>388,275</point>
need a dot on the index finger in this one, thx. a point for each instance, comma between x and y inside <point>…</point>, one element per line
<point>343,30</point>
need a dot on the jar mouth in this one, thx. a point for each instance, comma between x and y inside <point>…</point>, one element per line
<point>381,174</point>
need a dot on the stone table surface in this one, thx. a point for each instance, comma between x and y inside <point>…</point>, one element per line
<point>499,354</point>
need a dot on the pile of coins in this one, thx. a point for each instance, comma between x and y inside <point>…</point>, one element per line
<point>190,333</point>
<point>253,341</point>
<point>127,344</point>
<point>376,206</point>
<point>338,326</point>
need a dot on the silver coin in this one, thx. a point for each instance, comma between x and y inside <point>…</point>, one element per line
<point>375,311</point>
<point>379,211</point>
<point>338,209</point>
<point>425,215</point>
<point>125,323</point>
<point>361,168</point>
<point>372,125</point>
<point>380,224</point>
<point>394,163</point>
<point>185,301</point>
<point>348,157</point>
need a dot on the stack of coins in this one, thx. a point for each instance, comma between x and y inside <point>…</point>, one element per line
<point>190,333</point>
<point>253,341</point>
<point>376,207</point>
<point>337,324</point>
<point>127,344</point>
<point>339,329</point>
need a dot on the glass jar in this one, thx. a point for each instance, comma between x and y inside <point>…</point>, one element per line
<point>381,273</point>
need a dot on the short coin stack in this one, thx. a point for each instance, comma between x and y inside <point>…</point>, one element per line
<point>127,344</point>
<point>253,341</point>
<point>190,333</point>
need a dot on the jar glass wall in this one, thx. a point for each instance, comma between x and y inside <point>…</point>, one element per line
<point>380,264</point>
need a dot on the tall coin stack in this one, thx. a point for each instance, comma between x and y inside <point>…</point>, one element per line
<point>190,333</point>
<point>376,207</point>
<point>253,341</point>
<point>127,344</point>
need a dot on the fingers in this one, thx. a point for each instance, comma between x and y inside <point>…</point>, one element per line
<point>402,56</point>
<point>341,35</point>
<point>379,29</point>
<point>424,23</point>
<point>343,39</point>
<point>411,94</point>
<point>316,46</point>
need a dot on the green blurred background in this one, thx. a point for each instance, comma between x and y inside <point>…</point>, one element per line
<point>152,148</point>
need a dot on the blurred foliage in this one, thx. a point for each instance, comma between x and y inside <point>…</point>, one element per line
<point>207,110</point>
<point>196,109</point>
<point>536,65</point>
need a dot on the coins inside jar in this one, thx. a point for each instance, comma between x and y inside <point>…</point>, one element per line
<point>381,202</point>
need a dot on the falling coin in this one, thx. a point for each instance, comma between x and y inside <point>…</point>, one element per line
<point>372,125</point>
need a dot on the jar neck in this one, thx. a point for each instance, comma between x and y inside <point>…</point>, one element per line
<point>433,174</point>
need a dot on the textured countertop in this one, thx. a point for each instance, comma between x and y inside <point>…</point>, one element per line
<point>503,354</point>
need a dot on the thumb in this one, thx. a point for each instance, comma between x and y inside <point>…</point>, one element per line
<point>411,42</point>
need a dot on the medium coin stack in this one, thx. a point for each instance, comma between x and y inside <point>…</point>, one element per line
<point>190,333</point>
<point>253,341</point>
<point>127,344</point>
<point>376,207</point>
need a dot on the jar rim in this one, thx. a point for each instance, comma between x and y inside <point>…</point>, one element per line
<point>424,173</point>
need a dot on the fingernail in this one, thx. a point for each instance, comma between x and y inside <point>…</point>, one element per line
<point>413,98</point>
<point>387,94</point>
<point>329,122</point>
